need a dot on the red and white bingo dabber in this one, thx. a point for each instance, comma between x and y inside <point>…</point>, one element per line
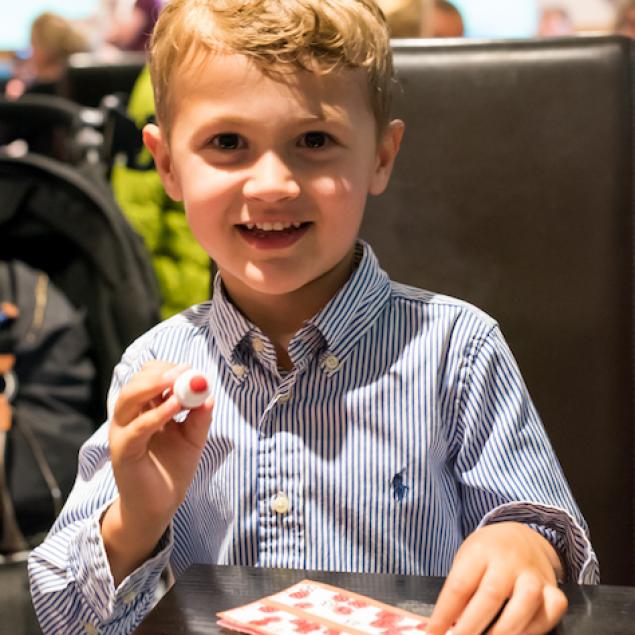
<point>191,388</point>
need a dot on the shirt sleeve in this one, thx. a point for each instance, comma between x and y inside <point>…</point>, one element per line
<point>504,462</point>
<point>72,587</point>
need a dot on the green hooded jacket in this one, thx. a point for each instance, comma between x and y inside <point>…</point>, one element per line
<point>181,265</point>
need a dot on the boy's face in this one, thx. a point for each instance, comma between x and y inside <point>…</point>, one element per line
<point>274,176</point>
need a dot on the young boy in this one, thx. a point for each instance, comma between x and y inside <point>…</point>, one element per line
<point>358,424</point>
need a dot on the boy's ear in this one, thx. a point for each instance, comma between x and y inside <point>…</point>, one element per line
<point>387,150</point>
<point>160,151</point>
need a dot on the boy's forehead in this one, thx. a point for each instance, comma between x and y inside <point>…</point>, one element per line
<point>232,76</point>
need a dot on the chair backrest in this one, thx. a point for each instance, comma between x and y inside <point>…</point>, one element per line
<point>88,78</point>
<point>514,190</point>
<point>48,124</point>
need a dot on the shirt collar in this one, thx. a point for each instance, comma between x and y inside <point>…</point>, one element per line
<point>335,329</point>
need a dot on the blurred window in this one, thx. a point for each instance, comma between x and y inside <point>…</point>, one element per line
<point>15,25</point>
<point>499,18</point>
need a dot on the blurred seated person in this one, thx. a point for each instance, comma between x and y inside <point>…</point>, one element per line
<point>625,19</point>
<point>446,20</point>
<point>555,22</point>
<point>180,263</point>
<point>130,31</point>
<point>53,40</point>
<point>404,17</point>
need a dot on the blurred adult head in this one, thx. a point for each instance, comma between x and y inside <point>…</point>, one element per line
<point>404,17</point>
<point>555,21</point>
<point>625,18</point>
<point>53,40</point>
<point>446,20</point>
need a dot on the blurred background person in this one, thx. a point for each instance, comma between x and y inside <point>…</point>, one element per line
<point>625,18</point>
<point>53,40</point>
<point>446,20</point>
<point>404,17</point>
<point>555,21</point>
<point>119,25</point>
<point>101,22</point>
<point>130,30</point>
<point>181,265</point>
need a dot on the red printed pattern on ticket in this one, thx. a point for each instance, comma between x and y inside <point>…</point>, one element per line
<point>314,608</point>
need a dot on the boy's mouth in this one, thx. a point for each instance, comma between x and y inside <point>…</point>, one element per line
<point>274,234</point>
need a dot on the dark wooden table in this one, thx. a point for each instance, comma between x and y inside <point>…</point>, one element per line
<point>203,590</point>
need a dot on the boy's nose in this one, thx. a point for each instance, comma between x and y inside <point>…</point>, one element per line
<point>270,180</point>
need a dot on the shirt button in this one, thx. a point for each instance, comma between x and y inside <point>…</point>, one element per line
<point>129,598</point>
<point>239,370</point>
<point>331,362</point>
<point>91,629</point>
<point>284,397</point>
<point>258,345</point>
<point>280,504</point>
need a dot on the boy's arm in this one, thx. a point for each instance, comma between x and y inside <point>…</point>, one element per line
<point>507,474</point>
<point>154,459</point>
<point>504,462</point>
<point>72,584</point>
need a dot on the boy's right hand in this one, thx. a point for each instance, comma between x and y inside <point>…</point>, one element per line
<point>153,459</point>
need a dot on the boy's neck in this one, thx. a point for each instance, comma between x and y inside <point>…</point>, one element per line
<point>280,317</point>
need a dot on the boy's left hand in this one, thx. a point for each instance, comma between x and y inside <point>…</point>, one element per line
<point>501,563</point>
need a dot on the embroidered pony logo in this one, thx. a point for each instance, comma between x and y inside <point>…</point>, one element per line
<point>399,488</point>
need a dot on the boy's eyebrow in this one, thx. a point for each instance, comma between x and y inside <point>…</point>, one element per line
<point>234,120</point>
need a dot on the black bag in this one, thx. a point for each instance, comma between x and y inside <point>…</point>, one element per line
<point>49,391</point>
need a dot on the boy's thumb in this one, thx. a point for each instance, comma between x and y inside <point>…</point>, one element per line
<point>198,422</point>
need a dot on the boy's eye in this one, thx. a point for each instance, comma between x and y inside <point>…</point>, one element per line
<point>314,140</point>
<point>228,141</point>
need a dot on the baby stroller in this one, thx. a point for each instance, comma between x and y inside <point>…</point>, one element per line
<point>66,228</point>
<point>85,287</point>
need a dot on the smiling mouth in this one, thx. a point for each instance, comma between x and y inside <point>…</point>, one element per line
<point>273,235</point>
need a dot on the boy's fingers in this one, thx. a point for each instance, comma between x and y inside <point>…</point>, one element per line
<point>525,601</point>
<point>145,389</point>
<point>146,424</point>
<point>459,587</point>
<point>196,426</point>
<point>493,591</point>
<point>554,606</point>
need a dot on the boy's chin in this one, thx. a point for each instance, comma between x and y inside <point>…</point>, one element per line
<point>276,287</point>
<point>319,280</point>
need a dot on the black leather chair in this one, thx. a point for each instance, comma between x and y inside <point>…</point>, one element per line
<point>514,190</point>
<point>53,126</point>
<point>89,78</point>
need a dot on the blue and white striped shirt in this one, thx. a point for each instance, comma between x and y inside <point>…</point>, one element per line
<point>403,426</point>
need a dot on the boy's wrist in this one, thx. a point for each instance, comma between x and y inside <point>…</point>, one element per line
<point>555,559</point>
<point>129,539</point>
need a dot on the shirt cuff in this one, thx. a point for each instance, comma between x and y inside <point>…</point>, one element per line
<point>561,529</point>
<point>90,570</point>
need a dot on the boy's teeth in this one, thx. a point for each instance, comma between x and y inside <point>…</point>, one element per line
<point>277,226</point>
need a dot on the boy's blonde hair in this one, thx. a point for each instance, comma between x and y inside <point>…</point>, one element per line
<point>278,35</point>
